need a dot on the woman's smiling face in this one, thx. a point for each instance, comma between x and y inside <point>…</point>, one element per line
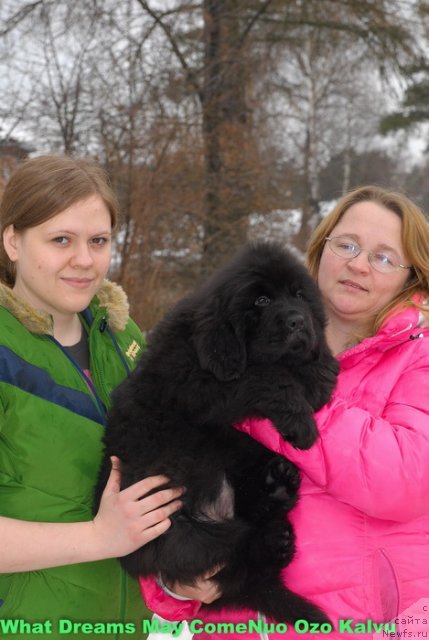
<point>352,289</point>
<point>61,263</point>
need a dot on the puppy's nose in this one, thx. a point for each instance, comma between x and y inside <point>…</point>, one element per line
<point>295,320</point>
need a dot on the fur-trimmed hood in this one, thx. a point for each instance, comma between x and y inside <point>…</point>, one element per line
<point>110,296</point>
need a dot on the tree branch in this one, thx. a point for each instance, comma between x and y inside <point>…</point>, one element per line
<point>19,16</point>
<point>189,73</point>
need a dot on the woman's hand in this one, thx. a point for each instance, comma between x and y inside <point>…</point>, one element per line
<point>127,520</point>
<point>205,590</point>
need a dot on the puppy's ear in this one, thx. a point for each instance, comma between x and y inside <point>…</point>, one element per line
<point>219,342</point>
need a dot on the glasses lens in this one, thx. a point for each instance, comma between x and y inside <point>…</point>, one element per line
<point>384,262</point>
<point>344,247</point>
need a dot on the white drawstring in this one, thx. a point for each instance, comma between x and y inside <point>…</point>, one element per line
<point>263,635</point>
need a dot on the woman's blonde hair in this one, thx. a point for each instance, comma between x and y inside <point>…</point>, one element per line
<point>44,186</point>
<point>415,241</point>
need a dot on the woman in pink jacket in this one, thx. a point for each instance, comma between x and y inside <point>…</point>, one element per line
<point>362,520</point>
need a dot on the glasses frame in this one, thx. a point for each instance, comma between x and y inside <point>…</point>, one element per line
<point>370,255</point>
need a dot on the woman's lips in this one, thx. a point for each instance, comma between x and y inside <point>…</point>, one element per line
<point>78,283</point>
<point>353,285</point>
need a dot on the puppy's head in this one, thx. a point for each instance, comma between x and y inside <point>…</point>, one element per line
<point>261,307</point>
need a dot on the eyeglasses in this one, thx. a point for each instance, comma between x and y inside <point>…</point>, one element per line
<point>384,261</point>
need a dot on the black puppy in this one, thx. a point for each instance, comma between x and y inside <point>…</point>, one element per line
<point>250,342</point>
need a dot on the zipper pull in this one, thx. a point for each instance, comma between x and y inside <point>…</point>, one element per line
<point>103,325</point>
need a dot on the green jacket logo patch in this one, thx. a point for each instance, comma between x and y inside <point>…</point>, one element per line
<point>133,350</point>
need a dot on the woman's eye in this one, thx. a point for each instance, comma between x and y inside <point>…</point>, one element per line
<point>262,301</point>
<point>347,246</point>
<point>100,242</point>
<point>61,240</point>
<point>383,258</point>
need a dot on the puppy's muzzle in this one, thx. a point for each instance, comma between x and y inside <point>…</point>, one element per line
<point>295,321</point>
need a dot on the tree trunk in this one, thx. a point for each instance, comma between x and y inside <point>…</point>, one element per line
<point>226,133</point>
<point>310,205</point>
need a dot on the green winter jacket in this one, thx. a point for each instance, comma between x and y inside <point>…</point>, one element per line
<point>51,425</point>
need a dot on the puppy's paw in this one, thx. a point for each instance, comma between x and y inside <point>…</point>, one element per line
<point>299,429</point>
<point>279,539</point>
<point>282,481</point>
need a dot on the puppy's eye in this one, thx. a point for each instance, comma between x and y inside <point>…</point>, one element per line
<point>262,301</point>
<point>299,294</point>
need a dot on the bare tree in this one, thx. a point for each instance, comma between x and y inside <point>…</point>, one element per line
<point>178,101</point>
<point>328,99</point>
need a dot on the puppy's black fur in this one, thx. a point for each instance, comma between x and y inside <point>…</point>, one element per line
<point>250,342</point>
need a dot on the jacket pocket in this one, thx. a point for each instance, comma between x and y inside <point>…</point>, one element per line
<point>386,588</point>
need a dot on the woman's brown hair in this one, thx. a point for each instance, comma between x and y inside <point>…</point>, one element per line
<point>44,186</point>
<point>415,241</point>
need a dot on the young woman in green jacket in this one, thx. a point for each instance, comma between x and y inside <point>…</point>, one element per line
<point>66,341</point>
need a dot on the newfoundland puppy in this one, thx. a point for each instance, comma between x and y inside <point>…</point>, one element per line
<point>250,342</point>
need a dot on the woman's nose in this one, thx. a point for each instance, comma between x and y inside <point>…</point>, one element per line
<point>82,256</point>
<point>360,263</point>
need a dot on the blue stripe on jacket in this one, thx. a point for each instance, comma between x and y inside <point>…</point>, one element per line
<point>19,373</point>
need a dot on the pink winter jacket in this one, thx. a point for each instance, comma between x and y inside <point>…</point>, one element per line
<point>362,520</point>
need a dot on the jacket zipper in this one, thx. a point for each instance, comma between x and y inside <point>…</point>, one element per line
<point>101,324</point>
<point>94,393</point>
